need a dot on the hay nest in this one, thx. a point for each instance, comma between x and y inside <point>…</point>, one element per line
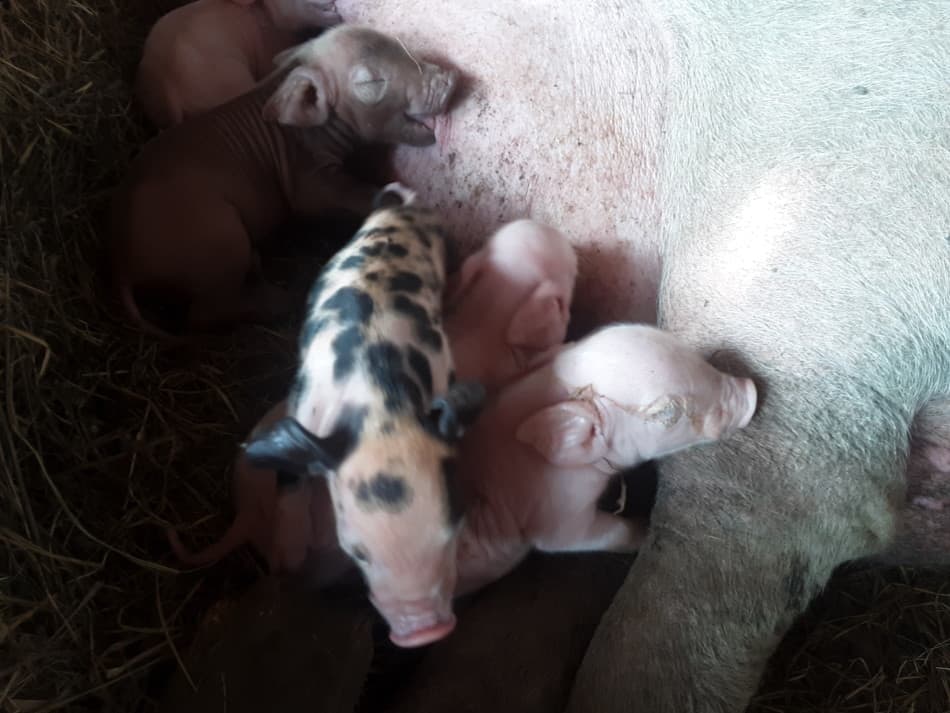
<point>105,439</point>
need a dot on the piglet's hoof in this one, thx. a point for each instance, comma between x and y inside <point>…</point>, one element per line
<point>325,14</point>
<point>281,647</point>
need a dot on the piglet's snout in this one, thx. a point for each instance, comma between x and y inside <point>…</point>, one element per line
<point>439,84</point>
<point>418,622</point>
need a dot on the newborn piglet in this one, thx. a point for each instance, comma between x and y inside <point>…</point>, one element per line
<point>376,409</point>
<point>510,302</point>
<point>544,449</point>
<point>208,52</point>
<point>201,197</point>
<point>285,518</point>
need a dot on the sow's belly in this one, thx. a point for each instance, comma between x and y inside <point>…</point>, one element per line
<point>540,129</point>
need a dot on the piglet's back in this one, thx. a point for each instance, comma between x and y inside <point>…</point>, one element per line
<point>373,335</point>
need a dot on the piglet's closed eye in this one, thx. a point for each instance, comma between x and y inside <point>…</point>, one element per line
<point>566,434</point>
<point>288,446</point>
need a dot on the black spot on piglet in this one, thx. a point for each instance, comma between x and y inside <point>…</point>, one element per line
<point>389,490</point>
<point>386,492</point>
<point>419,363</point>
<point>405,282</point>
<point>385,365</point>
<point>345,351</point>
<point>377,232</point>
<point>362,494</point>
<point>423,238</point>
<point>420,320</point>
<point>397,250</point>
<point>352,305</point>
<point>311,328</point>
<point>374,250</point>
<point>353,261</point>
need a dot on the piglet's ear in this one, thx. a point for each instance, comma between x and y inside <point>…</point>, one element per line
<point>453,413</point>
<point>540,322</point>
<point>565,434</point>
<point>288,446</point>
<point>393,195</point>
<point>300,100</point>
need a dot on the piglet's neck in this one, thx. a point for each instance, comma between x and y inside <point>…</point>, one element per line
<point>532,392</point>
<point>329,144</point>
<point>291,148</point>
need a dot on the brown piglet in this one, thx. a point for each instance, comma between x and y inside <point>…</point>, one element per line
<point>238,38</point>
<point>202,196</point>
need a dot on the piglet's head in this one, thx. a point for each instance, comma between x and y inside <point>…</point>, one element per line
<point>368,80</point>
<point>398,516</point>
<point>397,501</point>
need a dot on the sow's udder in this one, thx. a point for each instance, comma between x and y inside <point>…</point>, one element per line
<point>538,128</point>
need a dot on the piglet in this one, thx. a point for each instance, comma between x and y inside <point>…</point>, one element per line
<point>288,520</point>
<point>200,200</point>
<point>510,301</point>
<point>208,52</point>
<point>543,450</point>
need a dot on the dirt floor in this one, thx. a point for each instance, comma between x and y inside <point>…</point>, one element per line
<point>105,438</point>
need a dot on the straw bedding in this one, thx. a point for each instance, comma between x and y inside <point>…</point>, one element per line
<point>105,438</point>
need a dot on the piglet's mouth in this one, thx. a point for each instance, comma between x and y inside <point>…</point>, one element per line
<point>417,623</point>
<point>412,637</point>
<point>426,120</point>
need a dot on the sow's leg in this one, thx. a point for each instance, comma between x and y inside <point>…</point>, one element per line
<point>923,532</point>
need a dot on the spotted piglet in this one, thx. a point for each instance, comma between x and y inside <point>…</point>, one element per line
<point>376,408</point>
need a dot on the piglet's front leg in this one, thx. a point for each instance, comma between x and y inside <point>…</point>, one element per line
<point>292,526</point>
<point>488,549</point>
<point>324,13</point>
